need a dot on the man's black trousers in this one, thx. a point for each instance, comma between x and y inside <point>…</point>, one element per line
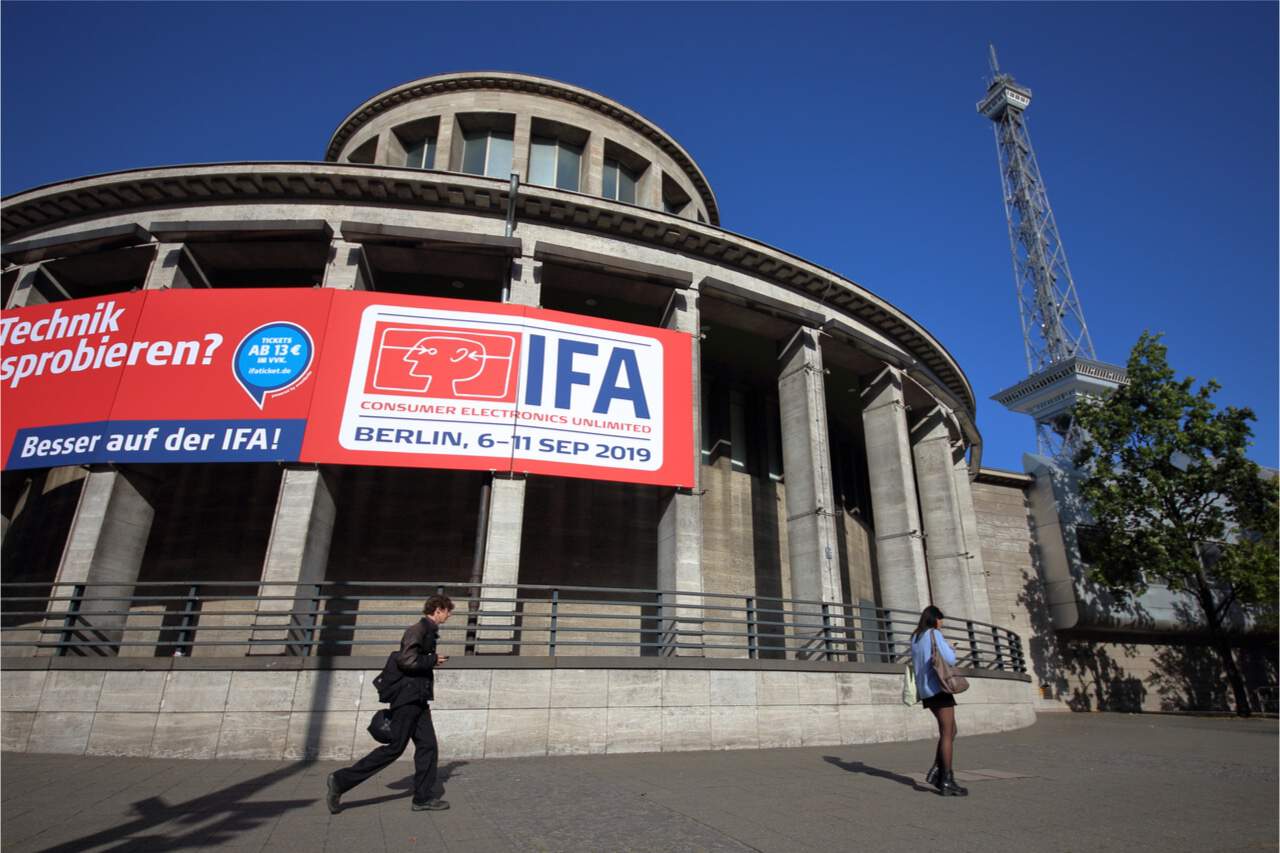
<point>407,721</point>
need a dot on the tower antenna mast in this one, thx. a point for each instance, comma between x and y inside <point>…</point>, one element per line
<point>1061,362</point>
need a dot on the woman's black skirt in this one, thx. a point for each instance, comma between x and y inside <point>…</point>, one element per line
<point>939,700</point>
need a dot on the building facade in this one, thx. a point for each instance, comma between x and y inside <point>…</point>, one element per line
<point>837,466</point>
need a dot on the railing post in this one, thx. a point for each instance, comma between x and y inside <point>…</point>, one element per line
<point>666,629</point>
<point>313,620</point>
<point>886,620</point>
<point>186,636</point>
<point>753,630</point>
<point>995,637</point>
<point>69,621</point>
<point>826,630</point>
<point>973,643</point>
<point>555,614</point>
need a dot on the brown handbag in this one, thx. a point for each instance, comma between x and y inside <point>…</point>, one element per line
<point>952,682</point>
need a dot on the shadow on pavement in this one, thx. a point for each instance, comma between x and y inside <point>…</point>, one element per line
<point>219,817</point>
<point>867,770</point>
<point>405,786</point>
<point>215,818</point>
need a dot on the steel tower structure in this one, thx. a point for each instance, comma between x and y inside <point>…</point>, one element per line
<point>1061,362</point>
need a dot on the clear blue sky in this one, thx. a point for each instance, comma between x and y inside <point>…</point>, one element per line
<point>845,134</point>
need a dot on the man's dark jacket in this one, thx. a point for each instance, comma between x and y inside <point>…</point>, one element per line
<point>411,680</point>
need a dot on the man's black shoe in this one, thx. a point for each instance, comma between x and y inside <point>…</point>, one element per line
<point>431,806</point>
<point>332,796</point>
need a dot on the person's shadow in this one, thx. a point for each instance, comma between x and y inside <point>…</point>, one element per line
<point>405,786</point>
<point>866,769</point>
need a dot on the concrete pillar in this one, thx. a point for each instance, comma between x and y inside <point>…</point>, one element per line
<point>594,180</point>
<point>940,507</point>
<point>172,267</point>
<point>972,543</point>
<point>346,268</point>
<point>520,146</point>
<point>806,463</point>
<point>904,584</point>
<point>297,557</point>
<point>680,510</point>
<point>447,159</point>
<point>501,564</point>
<point>649,193</point>
<point>526,281</point>
<point>26,290</point>
<point>506,501</point>
<point>106,544</point>
<point>302,527</point>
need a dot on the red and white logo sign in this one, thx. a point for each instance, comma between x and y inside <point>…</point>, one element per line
<point>443,363</point>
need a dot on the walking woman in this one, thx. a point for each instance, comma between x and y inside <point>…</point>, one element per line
<point>941,703</point>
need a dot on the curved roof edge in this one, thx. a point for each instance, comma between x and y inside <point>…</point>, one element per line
<point>511,81</point>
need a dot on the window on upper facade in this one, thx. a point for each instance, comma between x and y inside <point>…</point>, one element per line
<point>554,163</point>
<point>619,182</point>
<point>674,198</point>
<point>486,152</point>
<point>421,154</point>
<point>417,141</point>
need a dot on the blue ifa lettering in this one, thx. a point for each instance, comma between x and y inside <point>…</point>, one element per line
<point>610,390</point>
<point>621,379</point>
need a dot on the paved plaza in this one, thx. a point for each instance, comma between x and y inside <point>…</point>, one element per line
<point>1086,782</point>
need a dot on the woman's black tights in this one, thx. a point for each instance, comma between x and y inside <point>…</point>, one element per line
<point>946,736</point>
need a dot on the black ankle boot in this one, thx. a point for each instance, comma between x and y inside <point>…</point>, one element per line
<point>931,778</point>
<point>947,786</point>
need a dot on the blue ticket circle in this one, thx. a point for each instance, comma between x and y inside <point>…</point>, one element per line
<point>272,358</point>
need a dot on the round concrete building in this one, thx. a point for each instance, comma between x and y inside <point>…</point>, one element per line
<point>755,589</point>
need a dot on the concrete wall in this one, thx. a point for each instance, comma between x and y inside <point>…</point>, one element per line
<point>1080,673</point>
<point>481,712</point>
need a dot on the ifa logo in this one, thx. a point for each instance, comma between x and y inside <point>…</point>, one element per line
<point>443,363</point>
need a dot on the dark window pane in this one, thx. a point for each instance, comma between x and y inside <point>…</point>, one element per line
<point>610,179</point>
<point>542,162</point>
<point>570,161</point>
<point>413,155</point>
<point>499,165</point>
<point>473,150</point>
<point>429,158</point>
<point>626,187</point>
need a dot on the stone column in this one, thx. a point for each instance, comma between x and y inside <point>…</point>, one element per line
<point>25,292</point>
<point>972,543</point>
<point>940,506</point>
<point>173,266</point>
<point>445,136</point>
<point>806,463</point>
<point>302,529</point>
<point>594,181</point>
<point>680,510</point>
<point>520,146</point>
<point>526,281</point>
<point>501,564</point>
<point>106,544</point>
<point>904,585</point>
<point>649,193</point>
<point>297,557</point>
<point>346,269</point>
<point>506,503</point>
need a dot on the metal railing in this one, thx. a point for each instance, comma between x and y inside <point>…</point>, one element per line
<point>227,618</point>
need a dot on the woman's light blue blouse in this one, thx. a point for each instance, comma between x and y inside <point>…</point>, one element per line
<point>927,683</point>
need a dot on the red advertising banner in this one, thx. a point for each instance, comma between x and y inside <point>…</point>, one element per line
<point>341,377</point>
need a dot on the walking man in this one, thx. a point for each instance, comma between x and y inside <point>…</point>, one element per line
<point>411,686</point>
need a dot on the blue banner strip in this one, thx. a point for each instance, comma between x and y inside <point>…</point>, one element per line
<point>264,440</point>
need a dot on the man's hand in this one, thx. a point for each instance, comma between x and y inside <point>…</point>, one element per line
<point>441,659</point>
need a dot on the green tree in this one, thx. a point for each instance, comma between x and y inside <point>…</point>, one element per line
<point>1175,500</point>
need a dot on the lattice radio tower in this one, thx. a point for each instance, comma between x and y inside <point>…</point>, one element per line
<point>1061,362</point>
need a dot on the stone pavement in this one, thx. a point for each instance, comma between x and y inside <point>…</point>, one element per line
<point>1089,782</point>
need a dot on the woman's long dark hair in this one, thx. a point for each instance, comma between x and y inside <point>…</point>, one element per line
<point>929,618</point>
